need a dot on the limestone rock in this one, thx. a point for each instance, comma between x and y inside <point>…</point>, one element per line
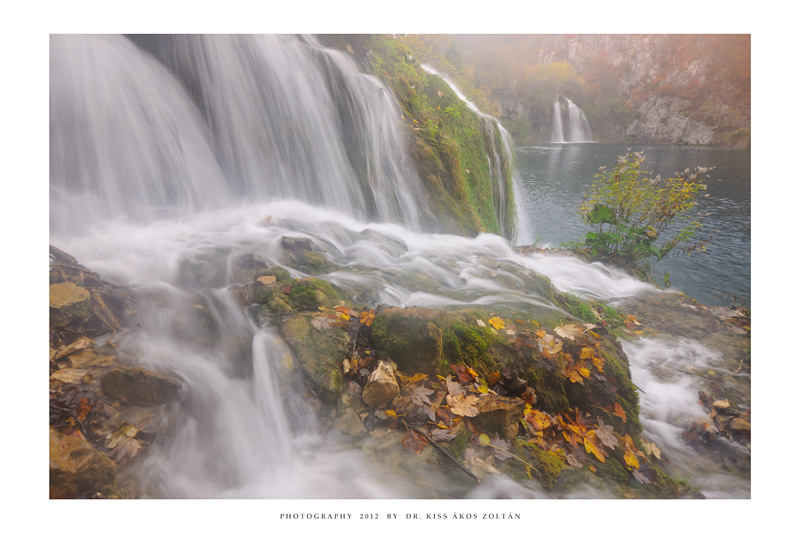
<point>78,469</point>
<point>319,354</point>
<point>499,414</point>
<point>739,424</point>
<point>295,244</point>
<point>381,387</point>
<point>69,305</point>
<point>137,385</point>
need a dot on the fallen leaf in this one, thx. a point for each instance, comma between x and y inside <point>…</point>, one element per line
<point>481,323</point>
<point>320,323</point>
<point>414,442</point>
<point>587,353</point>
<point>453,387</point>
<point>443,435</point>
<point>592,447</point>
<point>463,405</point>
<point>126,449</point>
<point>568,331</point>
<point>652,449</point>
<point>641,478</point>
<point>573,461</point>
<point>497,323</point>
<point>619,411</point>
<point>630,456</point>
<point>267,280</point>
<point>606,436</point>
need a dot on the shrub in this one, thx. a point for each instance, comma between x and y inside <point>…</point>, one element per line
<point>629,211</point>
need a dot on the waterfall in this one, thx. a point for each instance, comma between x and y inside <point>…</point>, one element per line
<point>569,123</point>
<point>173,156</point>
<point>505,180</point>
<point>209,120</point>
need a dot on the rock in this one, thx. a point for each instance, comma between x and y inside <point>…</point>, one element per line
<point>739,424</point>
<point>499,414</point>
<point>70,305</point>
<point>319,354</point>
<point>78,469</point>
<point>295,244</point>
<point>381,387</point>
<point>137,385</point>
<point>411,337</point>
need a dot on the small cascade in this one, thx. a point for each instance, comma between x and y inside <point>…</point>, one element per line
<point>569,123</point>
<point>504,177</point>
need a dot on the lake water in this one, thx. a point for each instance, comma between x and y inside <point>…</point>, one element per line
<point>555,177</point>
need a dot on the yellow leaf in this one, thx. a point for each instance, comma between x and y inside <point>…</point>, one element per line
<point>483,389</point>
<point>585,372</point>
<point>587,353</point>
<point>391,413</point>
<point>592,468</point>
<point>497,322</point>
<point>598,363</point>
<point>591,447</point>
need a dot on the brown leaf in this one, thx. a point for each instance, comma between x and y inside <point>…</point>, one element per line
<point>286,289</point>
<point>414,442</point>
<point>125,449</point>
<point>606,436</point>
<point>463,405</point>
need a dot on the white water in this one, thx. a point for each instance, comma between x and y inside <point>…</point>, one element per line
<point>569,123</point>
<point>243,426</point>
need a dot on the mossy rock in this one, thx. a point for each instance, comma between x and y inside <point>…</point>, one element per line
<point>319,354</point>
<point>286,295</point>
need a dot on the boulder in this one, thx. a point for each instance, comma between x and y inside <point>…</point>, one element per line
<point>78,469</point>
<point>381,387</point>
<point>295,244</point>
<point>319,354</point>
<point>70,305</point>
<point>137,385</point>
<point>499,414</point>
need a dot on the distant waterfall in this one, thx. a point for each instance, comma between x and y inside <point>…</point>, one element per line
<point>569,123</point>
<point>504,178</point>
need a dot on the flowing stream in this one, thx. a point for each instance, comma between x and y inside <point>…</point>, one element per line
<point>224,145</point>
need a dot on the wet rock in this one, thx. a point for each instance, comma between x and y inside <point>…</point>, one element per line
<point>499,414</point>
<point>70,305</point>
<point>381,387</point>
<point>319,354</point>
<point>137,385</point>
<point>78,469</point>
<point>739,424</point>
<point>411,337</point>
<point>296,243</point>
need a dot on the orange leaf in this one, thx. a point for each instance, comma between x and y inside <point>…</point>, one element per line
<point>619,412</point>
<point>587,353</point>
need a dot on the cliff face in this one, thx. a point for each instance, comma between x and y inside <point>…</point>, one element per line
<point>691,89</point>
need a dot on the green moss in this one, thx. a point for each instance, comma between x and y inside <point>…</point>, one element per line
<point>547,467</point>
<point>448,143</point>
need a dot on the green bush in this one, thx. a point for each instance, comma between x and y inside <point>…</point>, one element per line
<point>629,211</point>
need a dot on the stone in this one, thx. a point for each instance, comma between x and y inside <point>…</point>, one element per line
<point>739,424</point>
<point>295,244</point>
<point>137,385</point>
<point>499,414</point>
<point>70,305</point>
<point>318,354</point>
<point>381,387</point>
<point>78,469</point>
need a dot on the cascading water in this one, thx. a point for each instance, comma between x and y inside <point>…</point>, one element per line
<point>569,123</point>
<point>269,117</point>
<point>149,170</point>
<point>500,157</point>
